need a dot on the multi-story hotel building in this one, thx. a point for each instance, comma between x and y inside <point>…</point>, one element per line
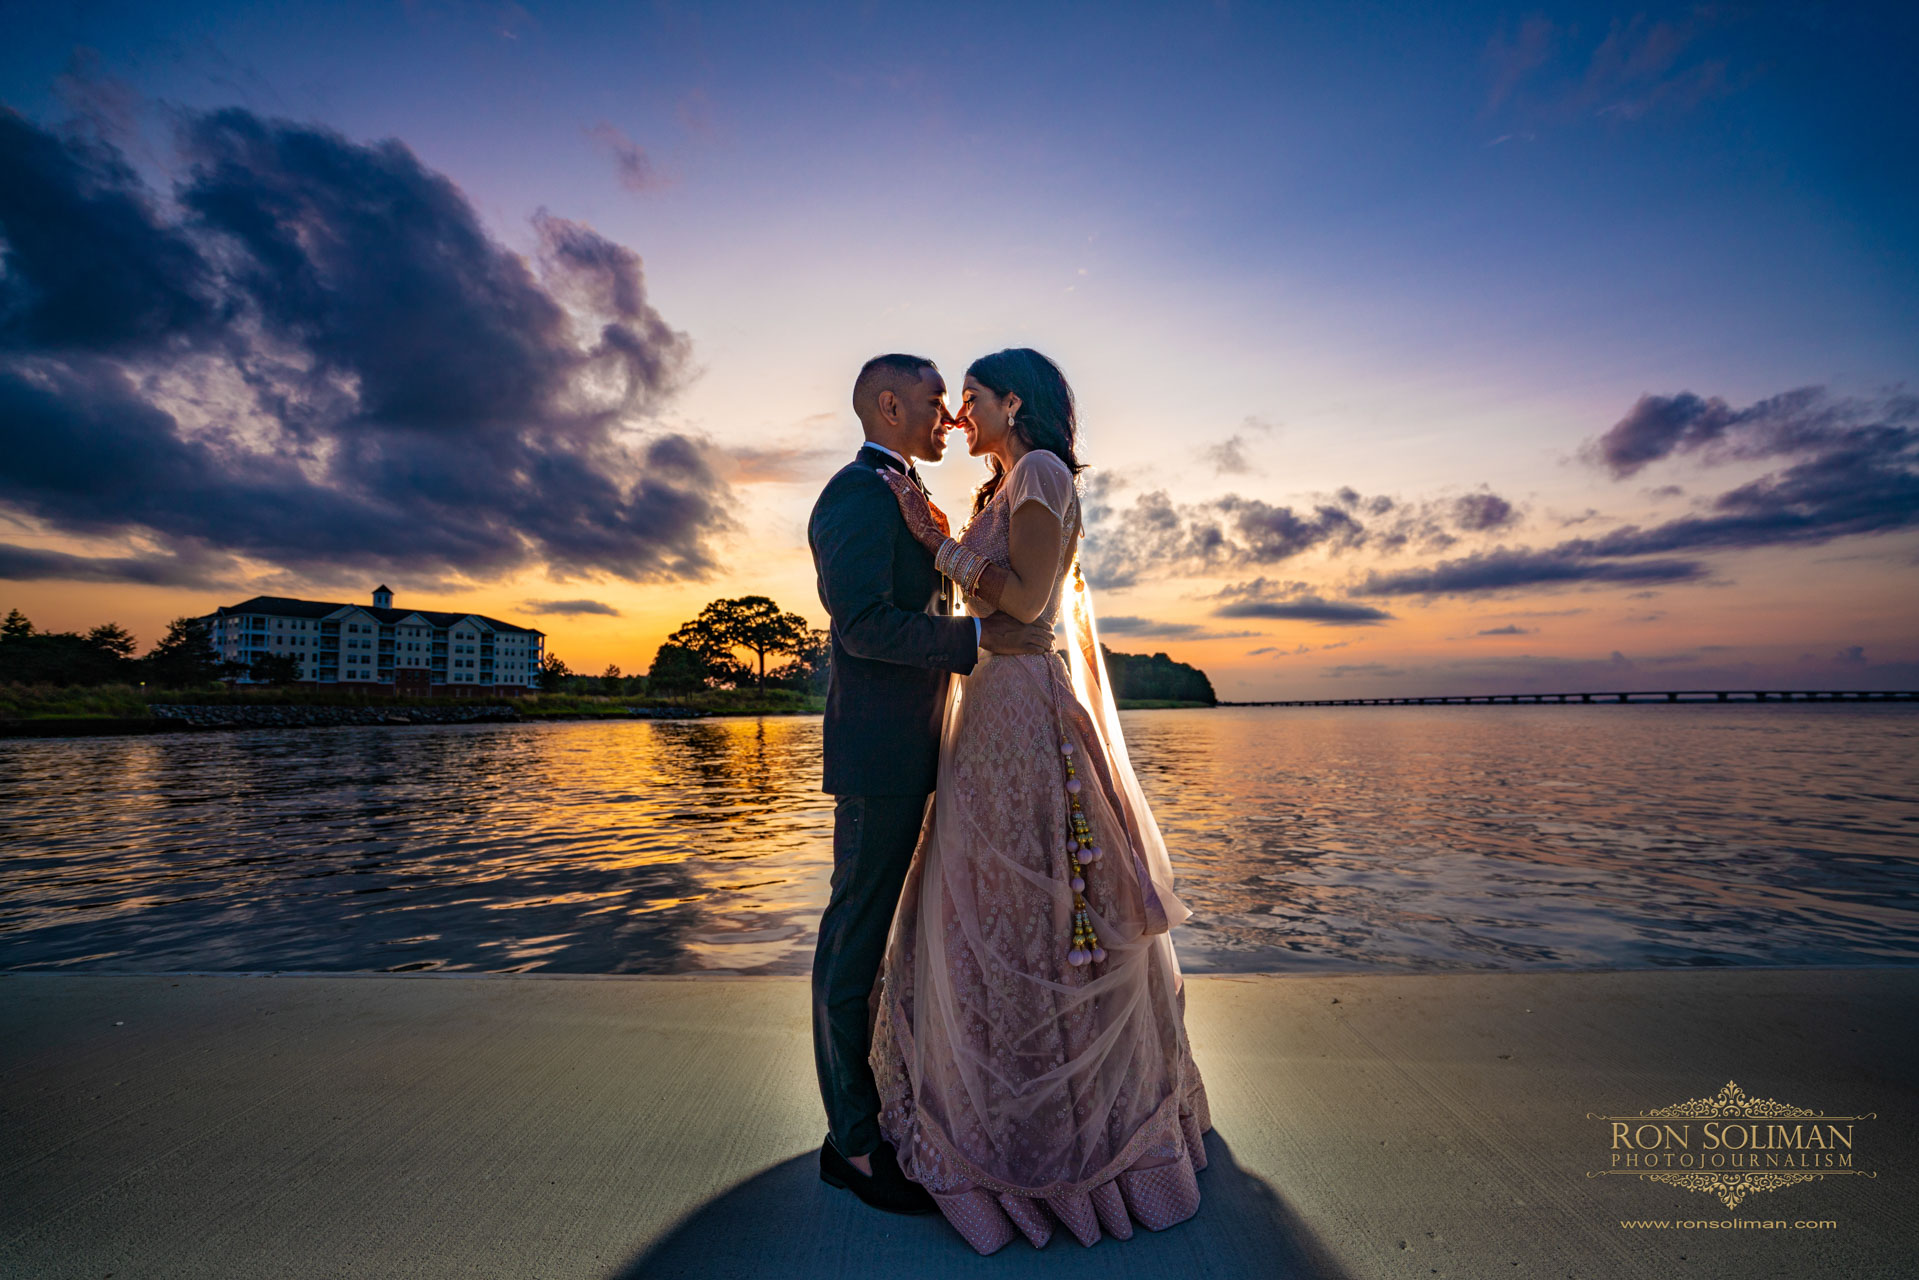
<point>407,651</point>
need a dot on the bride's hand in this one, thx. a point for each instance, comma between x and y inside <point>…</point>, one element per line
<point>926,522</point>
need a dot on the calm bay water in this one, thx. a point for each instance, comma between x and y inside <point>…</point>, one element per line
<point>1304,839</point>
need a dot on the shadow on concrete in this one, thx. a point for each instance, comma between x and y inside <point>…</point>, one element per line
<point>787,1222</point>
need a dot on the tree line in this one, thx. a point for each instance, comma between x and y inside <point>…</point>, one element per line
<point>181,659</point>
<point>729,645</point>
<point>739,643</point>
<point>1156,679</point>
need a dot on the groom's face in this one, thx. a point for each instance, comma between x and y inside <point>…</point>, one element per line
<point>923,417</point>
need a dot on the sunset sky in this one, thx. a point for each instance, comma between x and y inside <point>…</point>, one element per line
<point>1419,349</point>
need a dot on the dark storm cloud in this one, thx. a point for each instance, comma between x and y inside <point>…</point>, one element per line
<point>327,364</point>
<point>569,608</point>
<point>1504,569</point>
<point>1127,625</point>
<point>1857,472</point>
<point>1804,422</point>
<point>1329,613</point>
<point>1295,602</point>
<point>183,569</point>
<point>1852,469</point>
<point>88,264</point>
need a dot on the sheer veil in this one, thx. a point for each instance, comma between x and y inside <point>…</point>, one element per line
<point>1093,687</point>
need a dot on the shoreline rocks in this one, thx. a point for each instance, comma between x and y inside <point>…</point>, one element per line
<point>294,716</point>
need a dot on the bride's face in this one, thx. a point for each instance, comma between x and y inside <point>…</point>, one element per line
<point>984,417</point>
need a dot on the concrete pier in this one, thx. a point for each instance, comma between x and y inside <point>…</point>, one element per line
<point>292,1126</point>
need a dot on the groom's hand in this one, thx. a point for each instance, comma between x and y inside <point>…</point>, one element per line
<point>1003,633</point>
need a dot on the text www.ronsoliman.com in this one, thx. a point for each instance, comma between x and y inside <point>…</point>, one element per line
<point>1727,1224</point>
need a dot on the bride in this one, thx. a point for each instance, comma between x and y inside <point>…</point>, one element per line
<point>1030,1045</point>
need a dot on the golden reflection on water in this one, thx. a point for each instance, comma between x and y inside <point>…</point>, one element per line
<point>1366,838</point>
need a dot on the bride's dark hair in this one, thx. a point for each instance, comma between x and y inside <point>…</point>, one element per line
<point>1046,418</point>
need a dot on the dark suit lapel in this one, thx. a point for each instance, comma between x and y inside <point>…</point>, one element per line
<point>874,456</point>
<point>942,600</point>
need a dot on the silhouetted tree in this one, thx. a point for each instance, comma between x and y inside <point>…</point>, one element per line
<point>113,639</point>
<point>810,669</point>
<point>676,669</point>
<point>275,668</point>
<point>58,658</point>
<point>717,663</point>
<point>16,627</point>
<point>753,623</point>
<point>185,656</point>
<point>553,673</point>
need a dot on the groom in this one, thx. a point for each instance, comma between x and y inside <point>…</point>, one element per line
<point>895,648</point>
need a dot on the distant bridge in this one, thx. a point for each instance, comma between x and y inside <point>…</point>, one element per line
<point>1615,696</point>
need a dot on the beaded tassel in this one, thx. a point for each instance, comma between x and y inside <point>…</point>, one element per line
<point>1080,849</point>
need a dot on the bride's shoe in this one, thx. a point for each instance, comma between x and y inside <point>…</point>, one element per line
<point>885,1188</point>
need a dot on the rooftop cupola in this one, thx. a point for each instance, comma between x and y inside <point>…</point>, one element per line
<point>382,597</point>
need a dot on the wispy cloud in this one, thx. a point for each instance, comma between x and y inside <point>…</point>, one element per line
<point>635,169</point>
<point>1228,457</point>
<point>1512,56</point>
<point>570,608</point>
<point>1345,670</point>
<point>1296,650</point>
<point>1541,73</point>
<point>780,464</point>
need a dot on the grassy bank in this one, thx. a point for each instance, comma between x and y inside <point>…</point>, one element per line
<point>123,703</point>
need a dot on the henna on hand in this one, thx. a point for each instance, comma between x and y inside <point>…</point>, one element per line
<point>991,585</point>
<point>924,521</point>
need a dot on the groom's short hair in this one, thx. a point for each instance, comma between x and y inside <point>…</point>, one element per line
<point>895,372</point>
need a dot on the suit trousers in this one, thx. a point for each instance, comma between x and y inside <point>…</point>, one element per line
<point>873,842</point>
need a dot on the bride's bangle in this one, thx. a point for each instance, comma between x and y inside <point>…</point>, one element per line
<point>943,558</point>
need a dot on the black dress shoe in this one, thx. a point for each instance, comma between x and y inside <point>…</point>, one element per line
<point>885,1188</point>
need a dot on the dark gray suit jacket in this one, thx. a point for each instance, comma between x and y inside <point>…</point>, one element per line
<point>893,652</point>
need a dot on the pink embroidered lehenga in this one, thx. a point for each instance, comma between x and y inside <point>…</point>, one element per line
<point>1024,1090</point>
